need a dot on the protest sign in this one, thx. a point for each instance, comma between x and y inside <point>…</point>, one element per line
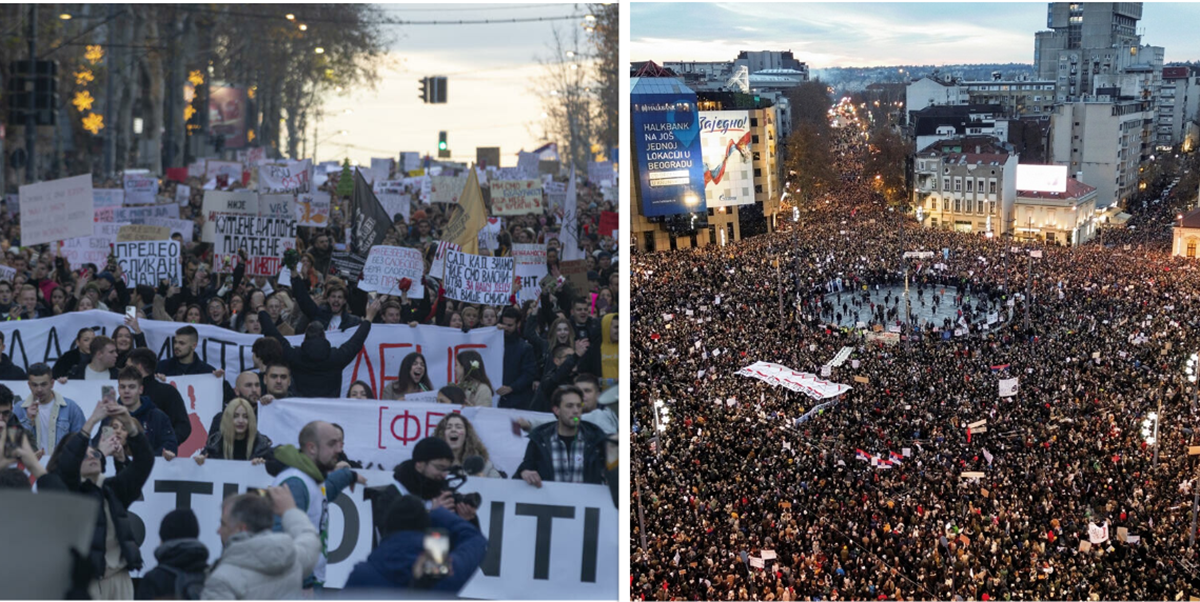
<point>183,194</point>
<point>197,169</point>
<point>527,164</point>
<point>138,215</point>
<point>1008,387</point>
<point>395,197</point>
<point>478,279</point>
<point>134,232</point>
<point>28,342</point>
<point>489,234</point>
<point>7,274</point>
<point>56,210</point>
<point>108,197</point>
<point>387,266</point>
<point>527,561</point>
<point>90,249</point>
<point>276,205</point>
<point>802,382</point>
<point>232,169</point>
<point>609,222</point>
<point>263,238</point>
<point>279,177</point>
<point>313,209</point>
<point>447,189</point>
<point>381,170</point>
<point>140,189</point>
<point>530,268</point>
<point>575,271</point>
<point>601,173</point>
<point>516,197</point>
<point>183,227</point>
<point>149,261</point>
<point>242,202</point>
<point>438,265</point>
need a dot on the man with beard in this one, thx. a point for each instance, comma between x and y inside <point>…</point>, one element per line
<point>566,450</point>
<point>335,314</point>
<point>315,479</point>
<point>322,253</point>
<point>520,368</point>
<point>424,476</point>
<point>318,366</point>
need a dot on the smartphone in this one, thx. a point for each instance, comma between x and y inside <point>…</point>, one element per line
<point>106,432</point>
<point>131,312</point>
<point>437,549</point>
<point>108,393</point>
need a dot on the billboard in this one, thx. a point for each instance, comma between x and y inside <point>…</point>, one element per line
<point>666,134</point>
<point>728,161</point>
<point>228,110</point>
<point>1042,178</point>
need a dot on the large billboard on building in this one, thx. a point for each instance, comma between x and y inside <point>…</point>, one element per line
<point>666,137</point>
<point>728,160</point>
<point>1042,178</point>
<point>228,111</point>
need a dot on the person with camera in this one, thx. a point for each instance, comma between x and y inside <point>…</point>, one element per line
<point>567,450</point>
<point>258,563</point>
<point>424,476</point>
<point>421,549</point>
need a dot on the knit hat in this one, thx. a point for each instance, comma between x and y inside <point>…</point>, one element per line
<point>432,448</point>
<point>407,513</point>
<point>179,524</point>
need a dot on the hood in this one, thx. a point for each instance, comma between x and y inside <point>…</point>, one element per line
<point>606,329</point>
<point>288,455</point>
<point>187,555</point>
<point>268,553</point>
<point>396,555</point>
<point>416,483</point>
<point>144,409</point>
<point>315,349</point>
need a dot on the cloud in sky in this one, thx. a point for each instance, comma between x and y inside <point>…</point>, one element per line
<point>492,100</point>
<point>873,34</point>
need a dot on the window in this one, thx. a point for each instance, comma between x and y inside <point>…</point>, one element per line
<point>945,184</point>
<point>957,205</point>
<point>757,172</point>
<point>957,184</point>
<point>979,185</point>
<point>970,182</point>
<point>758,188</point>
<point>753,122</point>
<point>945,204</point>
<point>992,187</point>
<point>754,139</point>
<point>757,156</point>
<point>1191,248</point>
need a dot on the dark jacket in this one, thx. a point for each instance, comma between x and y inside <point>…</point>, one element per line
<point>391,564</point>
<point>316,365</point>
<point>554,377</point>
<point>538,454</point>
<point>119,492</point>
<point>310,309</point>
<point>139,341</point>
<point>214,449</point>
<point>590,330</point>
<point>67,361</point>
<point>157,426</point>
<point>9,370</point>
<point>172,367</point>
<point>169,400</point>
<point>187,556</point>
<point>520,370</point>
<point>79,372</point>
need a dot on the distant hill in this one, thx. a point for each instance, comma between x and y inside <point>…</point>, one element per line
<point>855,79</point>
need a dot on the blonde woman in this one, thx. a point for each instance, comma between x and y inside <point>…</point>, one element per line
<point>457,431</point>
<point>471,376</point>
<point>238,438</point>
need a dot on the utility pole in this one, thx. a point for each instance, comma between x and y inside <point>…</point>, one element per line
<point>1029,281</point>
<point>110,140</point>
<point>31,113</point>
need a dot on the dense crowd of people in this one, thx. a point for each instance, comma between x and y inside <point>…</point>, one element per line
<point>730,471</point>
<point>560,355</point>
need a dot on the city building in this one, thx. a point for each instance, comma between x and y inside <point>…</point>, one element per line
<point>1104,142</point>
<point>1065,218</point>
<point>768,74</point>
<point>1015,97</point>
<point>930,91</point>
<point>1178,105</point>
<point>966,185</point>
<point>1187,235</point>
<point>1088,39</point>
<point>935,123</point>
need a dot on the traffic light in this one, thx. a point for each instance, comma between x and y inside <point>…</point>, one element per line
<point>443,147</point>
<point>433,89</point>
<point>425,89</point>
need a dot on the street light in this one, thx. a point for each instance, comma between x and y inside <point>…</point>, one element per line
<point>319,50</point>
<point>303,27</point>
<point>1150,431</point>
<point>1192,362</point>
<point>290,17</point>
<point>65,16</point>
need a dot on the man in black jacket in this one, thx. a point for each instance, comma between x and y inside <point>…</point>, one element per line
<point>335,315</point>
<point>566,450</point>
<point>586,327</point>
<point>316,366</point>
<point>103,362</point>
<point>154,421</point>
<point>185,361</point>
<point>167,398</point>
<point>9,370</point>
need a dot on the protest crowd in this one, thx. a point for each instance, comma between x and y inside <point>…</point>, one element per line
<point>920,482</point>
<point>253,321</point>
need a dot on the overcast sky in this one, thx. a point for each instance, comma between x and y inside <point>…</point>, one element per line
<point>491,71</point>
<point>874,34</point>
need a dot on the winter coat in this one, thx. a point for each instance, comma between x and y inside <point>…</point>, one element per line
<point>173,367</point>
<point>157,426</point>
<point>214,449</point>
<point>67,361</point>
<point>266,565</point>
<point>169,400</point>
<point>539,456</point>
<point>188,556</point>
<point>390,565</point>
<point>9,370</point>
<point>310,309</point>
<point>316,365</point>
<point>520,370</point>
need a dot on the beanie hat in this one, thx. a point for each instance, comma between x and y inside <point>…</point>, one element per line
<point>179,524</point>
<point>432,448</point>
<point>407,513</point>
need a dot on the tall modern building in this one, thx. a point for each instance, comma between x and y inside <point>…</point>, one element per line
<point>1088,39</point>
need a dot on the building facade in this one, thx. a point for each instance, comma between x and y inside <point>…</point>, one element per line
<point>1063,218</point>
<point>965,191</point>
<point>1178,104</point>
<point>1103,143</point>
<point>1087,39</point>
<point>1187,236</point>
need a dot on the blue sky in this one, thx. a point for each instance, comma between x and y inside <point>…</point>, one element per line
<point>873,34</point>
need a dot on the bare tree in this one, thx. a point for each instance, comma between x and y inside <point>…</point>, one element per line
<point>569,98</point>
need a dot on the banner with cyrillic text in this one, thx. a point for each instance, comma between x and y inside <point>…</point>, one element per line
<point>141,189</point>
<point>149,261</point>
<point>802,382</point>
<point>516,197</point>
<point>263,238</point>
<point>387,266</point>
<point>90,249</point>
<point>478,279</point>
<point>530,268</point>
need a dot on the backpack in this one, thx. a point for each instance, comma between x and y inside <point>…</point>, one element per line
<point>187,585</point>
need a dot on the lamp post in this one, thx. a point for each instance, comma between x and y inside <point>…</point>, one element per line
<point>1150,430</point>
<point>1191,376</point>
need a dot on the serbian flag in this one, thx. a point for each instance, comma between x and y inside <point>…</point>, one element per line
<point>862,455</point>
<point>1000,367</point>
<point>895,457</point>
<point>881,463</point>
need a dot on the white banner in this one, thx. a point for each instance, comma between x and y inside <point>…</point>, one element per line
<point>535,534</point>
<point>56,210</point>
<point>447,189</point>
<point>141,189</point>
<point>263,238</point>
<point>395,197</point>
<point>382,433</point>
<point>149,261</point>
<point>313,209</point>
<point>386,266</point>
<point>530,269</point>
<point>478,279</point>
<point>782,376</point>
<point>46,339</point>
<point>108,197</point>
<point>90,249</point>
<point>203,396</point>
<point>1008,387</point>
<point>516,197</point>
<point>293,177</point>
<point>841,357</point>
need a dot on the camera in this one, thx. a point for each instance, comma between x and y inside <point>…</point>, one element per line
<point>456,477</point>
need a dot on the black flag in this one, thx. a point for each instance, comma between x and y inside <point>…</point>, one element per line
<point>371,221</point>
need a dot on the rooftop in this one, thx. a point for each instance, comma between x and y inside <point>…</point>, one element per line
<point>1075,190</point>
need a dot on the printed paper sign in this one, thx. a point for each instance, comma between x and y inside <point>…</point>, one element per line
<point>530,269</point>
<point>56,210</point>
<point>279,177</point>
<point>312,209</point>
<point>387,266</point>
<point>516,197</point>
<point>149,261</point>
<point>108,197</point>
<point>93,249</point>
<point>263,238</point>
<point>140,189</point>
<point>183,194</point>
<point>447,189</point>
<point>135,232</point>
<point>478,279</point>
<point>395,197</point>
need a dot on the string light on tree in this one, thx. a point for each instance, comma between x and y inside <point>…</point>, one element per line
<point>94,54</point>
<point>84,77</point>
<point>196,77</point>
<point>93,123</point>
<point>83,101</point>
